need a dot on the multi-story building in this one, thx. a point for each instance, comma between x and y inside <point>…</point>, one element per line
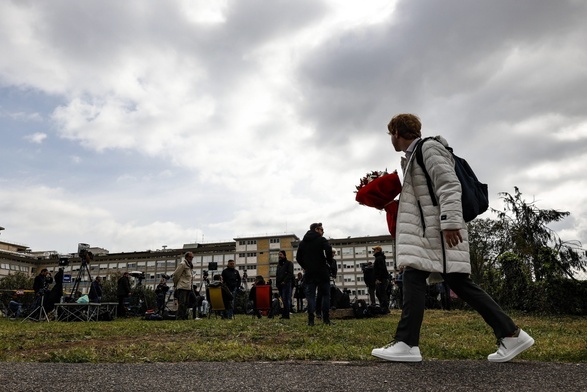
<point>255,255</point>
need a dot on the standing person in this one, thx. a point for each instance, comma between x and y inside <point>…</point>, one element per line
<point>284,278</point>
<point>40,284</point>
<point>381,278</point>
<point>232,279</point>
<point>399,281</point>
<point>123,292</point>
<point>315,257</point>
<point>183,281</point>
<point>432,241</point>
<point>369,278</point>
<point>95,294</point>
<point>299,292</point>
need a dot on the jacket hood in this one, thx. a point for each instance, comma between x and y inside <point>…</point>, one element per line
<point>311,235</point>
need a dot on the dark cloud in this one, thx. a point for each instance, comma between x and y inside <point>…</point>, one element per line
<point>430,54</point>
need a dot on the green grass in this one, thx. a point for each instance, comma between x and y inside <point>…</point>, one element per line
<point>445,335</point>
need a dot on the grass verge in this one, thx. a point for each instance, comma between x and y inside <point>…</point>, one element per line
<point>445,336</point>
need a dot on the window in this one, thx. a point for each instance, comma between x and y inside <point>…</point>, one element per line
<point>274,240</point>
<point>347,253</point>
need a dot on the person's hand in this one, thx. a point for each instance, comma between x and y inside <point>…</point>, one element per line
<point>452,237</point>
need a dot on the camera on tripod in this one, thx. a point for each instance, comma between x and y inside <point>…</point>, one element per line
<point>137,274</point>
<point>63,261</point>
<point>84,253</point>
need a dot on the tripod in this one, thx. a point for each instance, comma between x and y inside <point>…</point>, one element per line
<point>83,269</point>
<point>40,309</point>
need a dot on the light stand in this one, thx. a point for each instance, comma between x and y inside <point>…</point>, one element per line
<point>40,309</point>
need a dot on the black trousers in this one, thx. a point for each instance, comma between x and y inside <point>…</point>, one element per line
<point>414,290</point>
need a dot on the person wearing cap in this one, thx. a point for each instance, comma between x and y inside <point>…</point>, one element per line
<point>183,282</point>
<point>381,278</point>
<point>432,244</point>
<point>315,257</point>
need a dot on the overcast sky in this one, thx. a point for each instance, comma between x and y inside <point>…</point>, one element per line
<point>130,125</point>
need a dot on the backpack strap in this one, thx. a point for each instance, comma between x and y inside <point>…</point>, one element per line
<point>420,160</point>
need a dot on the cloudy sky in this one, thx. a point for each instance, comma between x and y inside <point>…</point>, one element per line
<point>132,125</point>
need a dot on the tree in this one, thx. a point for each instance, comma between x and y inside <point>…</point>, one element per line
<point>526,234</point>
<point>16,281</point>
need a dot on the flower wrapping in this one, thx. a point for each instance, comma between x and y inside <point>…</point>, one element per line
<point>379,192</point>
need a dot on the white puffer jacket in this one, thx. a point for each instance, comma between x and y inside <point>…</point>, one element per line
<point>419,240</point>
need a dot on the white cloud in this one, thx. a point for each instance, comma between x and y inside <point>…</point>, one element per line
<point>192,119</point>
<point>37,137</point>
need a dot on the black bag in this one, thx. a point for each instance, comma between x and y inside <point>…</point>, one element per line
<point>360,309</point>
<point>474,197</point>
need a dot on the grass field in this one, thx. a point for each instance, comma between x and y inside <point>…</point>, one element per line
<point>445,335</point>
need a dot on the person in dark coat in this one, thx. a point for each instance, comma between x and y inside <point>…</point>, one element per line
<point>95,293</point>
<point>232,279</point>
<point>315,257</point>
<point>284,278</point>
<point>369,278</point>
<point>123,292</point>
<point>381,278</point>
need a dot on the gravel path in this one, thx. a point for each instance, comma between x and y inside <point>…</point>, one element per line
<point>431,375</point>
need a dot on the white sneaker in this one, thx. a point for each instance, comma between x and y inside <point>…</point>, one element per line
<point>398,352</point>
<point>508,348</point>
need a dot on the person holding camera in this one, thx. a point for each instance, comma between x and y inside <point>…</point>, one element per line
<point>183,281</point>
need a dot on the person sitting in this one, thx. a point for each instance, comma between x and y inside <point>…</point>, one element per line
<point>226,294</point>
<point>15,306</point>
<point>259,281</point>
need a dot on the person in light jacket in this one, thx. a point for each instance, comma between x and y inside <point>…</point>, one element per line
<point>183,282</point>
<point>432,243</point>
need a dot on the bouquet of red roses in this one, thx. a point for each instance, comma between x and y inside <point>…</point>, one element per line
<point>379,190</point>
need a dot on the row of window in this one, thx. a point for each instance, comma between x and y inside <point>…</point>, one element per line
<point>14,267</point>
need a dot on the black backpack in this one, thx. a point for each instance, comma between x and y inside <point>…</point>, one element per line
<point>474,198</point>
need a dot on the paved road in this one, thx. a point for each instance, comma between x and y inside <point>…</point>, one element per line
<point>451,376</point>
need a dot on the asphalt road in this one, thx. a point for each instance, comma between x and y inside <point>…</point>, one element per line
<point>431,375</point>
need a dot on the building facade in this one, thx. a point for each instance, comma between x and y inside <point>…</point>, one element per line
<point>255,255</point>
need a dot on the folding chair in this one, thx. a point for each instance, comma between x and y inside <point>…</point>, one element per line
<point>216,301</point>
<point>262,299</point>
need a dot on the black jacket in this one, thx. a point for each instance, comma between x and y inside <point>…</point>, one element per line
<point>39,283</point>
<point>231,278</point>
<point>369,275</point>
<point>315,257</point>
<point>379,267</point>
<point>95,291</point>
<point>284,274</point>
<point>123,289</point>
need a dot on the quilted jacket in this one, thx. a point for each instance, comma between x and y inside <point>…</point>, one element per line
<point>419,240</point>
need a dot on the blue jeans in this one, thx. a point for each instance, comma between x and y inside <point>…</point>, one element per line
<point>229,312</point>
<point>285,294</point>
<point>324,288</point>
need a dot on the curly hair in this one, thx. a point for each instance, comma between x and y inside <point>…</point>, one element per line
<point>407,126</point>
